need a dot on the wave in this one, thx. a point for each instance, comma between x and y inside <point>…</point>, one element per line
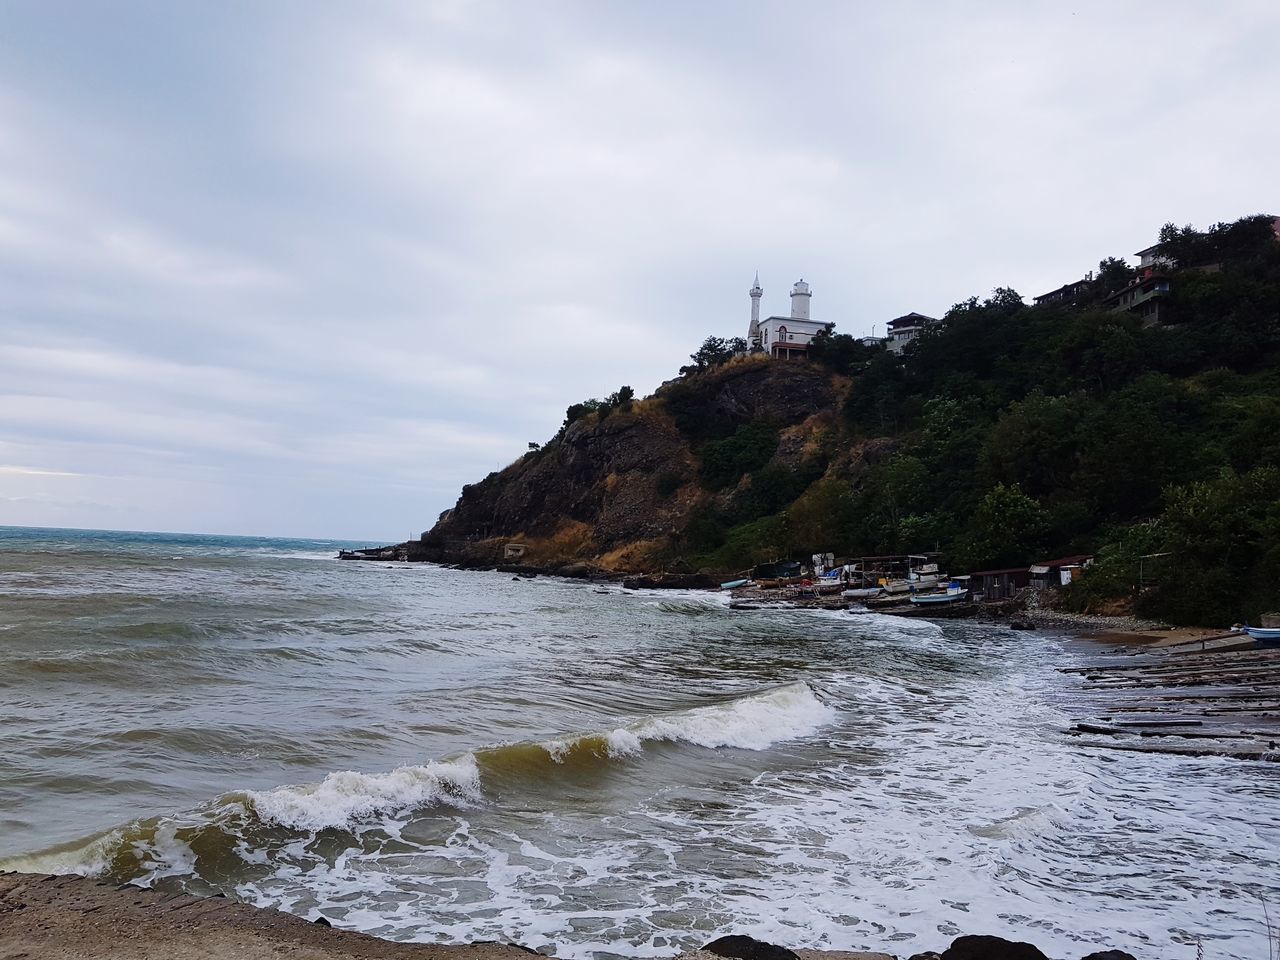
<point>245,824</point>
<point>344,798</point>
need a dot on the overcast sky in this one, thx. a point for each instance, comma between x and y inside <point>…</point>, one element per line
<point>305,268</point>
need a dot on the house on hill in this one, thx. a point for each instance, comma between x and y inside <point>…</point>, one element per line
<point>1067,293</point>
<point>1145,296</point>
<point>904,329</point>
<point>784,337</point>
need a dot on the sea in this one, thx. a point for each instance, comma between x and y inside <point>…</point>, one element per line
<point>428,754</point>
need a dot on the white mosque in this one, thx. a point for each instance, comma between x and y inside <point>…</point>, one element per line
<point>783,337</point>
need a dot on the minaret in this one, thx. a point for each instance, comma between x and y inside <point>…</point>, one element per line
<point>800,301</point>
<point>753,332</point>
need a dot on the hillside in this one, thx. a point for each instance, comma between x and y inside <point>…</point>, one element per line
<point>1003,434</point>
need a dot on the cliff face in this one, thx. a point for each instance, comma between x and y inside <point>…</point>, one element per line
<point>619,490</point>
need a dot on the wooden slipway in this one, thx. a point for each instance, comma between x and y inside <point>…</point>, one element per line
<point>1216,703</point>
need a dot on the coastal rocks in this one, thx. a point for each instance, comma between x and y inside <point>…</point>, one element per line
<point>991,948</point>
<point>604,474</point>
<point>739,947</point>
<point>1111,955</point>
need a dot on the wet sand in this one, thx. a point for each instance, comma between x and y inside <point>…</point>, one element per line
<point>72,918</point>
<point>76,918</point>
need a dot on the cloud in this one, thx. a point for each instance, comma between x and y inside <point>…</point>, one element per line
<point>308,272</point>
<point>11,470</point>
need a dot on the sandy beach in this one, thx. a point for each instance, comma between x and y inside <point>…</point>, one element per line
<point>53,917</point>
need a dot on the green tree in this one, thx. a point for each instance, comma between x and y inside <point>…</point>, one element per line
<point>1114,273</point>
<point>1035,444</point>
<point>840,352</point>
<point>713,352</point>
<point>1007,528</point>
<point>1224,535</point>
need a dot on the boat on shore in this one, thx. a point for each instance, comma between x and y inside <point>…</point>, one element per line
<point>1264,636</point>
<point>862,593</point>
<point>734,584</point>
<point>953,594</point>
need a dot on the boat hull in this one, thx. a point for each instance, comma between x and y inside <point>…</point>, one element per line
<point>938,599</point>
<point>1264,636</point>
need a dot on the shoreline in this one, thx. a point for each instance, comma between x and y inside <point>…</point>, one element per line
<point>70,917</point>
<point>1016,613</point>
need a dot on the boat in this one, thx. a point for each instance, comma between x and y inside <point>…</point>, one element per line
<point>1264,636</point>
<point>862,593</point>
<point>953,594</point>
<point>912,584</point>
<point>734,584</point>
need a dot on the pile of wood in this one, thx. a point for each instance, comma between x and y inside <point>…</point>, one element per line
<point>1219,703</point>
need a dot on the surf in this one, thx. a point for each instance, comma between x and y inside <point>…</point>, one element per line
<point>349,801</point>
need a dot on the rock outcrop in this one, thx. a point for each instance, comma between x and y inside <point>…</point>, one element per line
<point>616,490</point>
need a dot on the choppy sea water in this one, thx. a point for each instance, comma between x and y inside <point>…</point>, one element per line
<point>433,755</point>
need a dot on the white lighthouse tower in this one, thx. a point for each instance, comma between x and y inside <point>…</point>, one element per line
<point>753,331</point>
<point>800,301</point>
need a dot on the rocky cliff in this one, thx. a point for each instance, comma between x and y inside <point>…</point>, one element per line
<point>620,491</point>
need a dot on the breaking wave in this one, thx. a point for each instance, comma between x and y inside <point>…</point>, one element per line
<point>346,797</point>
<point>239,824</point>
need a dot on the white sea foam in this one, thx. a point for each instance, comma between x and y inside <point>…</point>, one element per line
<point>85,858</point>
<point>749,723</point>
<point>753,722</point>
<point>623,743</point>
<point>345,797</point>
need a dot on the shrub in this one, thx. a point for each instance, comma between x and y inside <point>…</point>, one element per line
<point>725,461</point>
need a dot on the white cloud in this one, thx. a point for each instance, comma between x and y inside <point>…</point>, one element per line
<point>338,264</point>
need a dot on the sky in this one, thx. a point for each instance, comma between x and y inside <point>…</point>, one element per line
<point>304,268</point>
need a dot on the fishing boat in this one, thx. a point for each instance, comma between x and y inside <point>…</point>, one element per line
<point>1264,636</point>
<point>734,584</point>
<point>912,583</point>
<point>953,594</point>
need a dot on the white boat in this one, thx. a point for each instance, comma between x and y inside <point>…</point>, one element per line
<point>1265,636</point>
<point>953,594</point>
<point>913,583</point>
<point>862,593</point>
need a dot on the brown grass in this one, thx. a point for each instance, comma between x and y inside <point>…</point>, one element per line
<point>573,540</point>
<point>631,556</point>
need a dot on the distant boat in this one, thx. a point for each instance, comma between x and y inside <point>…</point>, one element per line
<point>1265,636</point>
<point>734,584</point>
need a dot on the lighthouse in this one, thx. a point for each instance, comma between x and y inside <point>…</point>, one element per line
<point>800,300</point>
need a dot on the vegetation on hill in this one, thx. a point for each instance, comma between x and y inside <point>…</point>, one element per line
<point>1022,432</point>
<point>1005,434</point>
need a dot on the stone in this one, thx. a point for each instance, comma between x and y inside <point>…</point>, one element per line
<point>739,947</point>
<point>991,948</point>
<point>1111,955</point>
<point>927,955</point>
